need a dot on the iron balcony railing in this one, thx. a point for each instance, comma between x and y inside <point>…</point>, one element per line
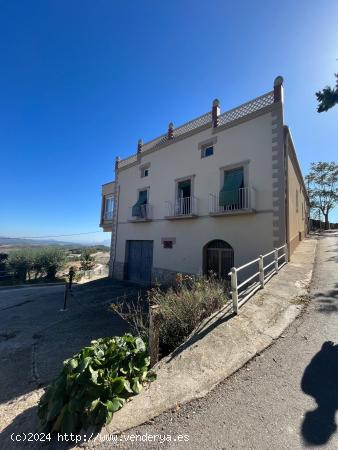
<point>145,213</point>
<point>239,200</point>
<point>185,206</point>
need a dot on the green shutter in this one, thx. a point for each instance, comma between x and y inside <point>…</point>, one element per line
<point>184,184</point>
<point>233,181</point>
<point>142,200</point>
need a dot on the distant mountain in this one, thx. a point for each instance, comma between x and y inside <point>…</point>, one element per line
<point>19,242</point>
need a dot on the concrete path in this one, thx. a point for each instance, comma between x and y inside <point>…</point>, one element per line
<point>285,398</point>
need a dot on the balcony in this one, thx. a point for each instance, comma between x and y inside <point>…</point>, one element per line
<point>108,215</point>
<point>240,201</point>
<point>145,214</point>
<point>107,206</point>
<point>182,208</point>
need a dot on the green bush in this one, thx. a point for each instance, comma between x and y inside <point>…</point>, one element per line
<point>185,306</point>
<point>87,260</point>
<point>49,261</point>
<point>38,261</point>
<point>94,384</point>
<point>182,307</point>
<point>21,262</point>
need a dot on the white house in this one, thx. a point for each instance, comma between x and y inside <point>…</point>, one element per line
<point>207,195</point>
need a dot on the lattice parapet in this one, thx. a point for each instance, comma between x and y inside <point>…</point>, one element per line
<point>206,119</point>
<point>130,160</point>
<point>153,143</point>
<point>247,108</point>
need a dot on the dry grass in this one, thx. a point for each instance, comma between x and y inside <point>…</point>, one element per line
<point>183,307</point>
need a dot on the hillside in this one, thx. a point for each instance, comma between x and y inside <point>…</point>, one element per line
<point>12,243</point>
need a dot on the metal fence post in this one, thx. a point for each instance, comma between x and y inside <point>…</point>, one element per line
<point>261,270</point>
<point>65,298</point>
<point>286,253</point>
<point>234,290</point>
<point>154,333</point>
<point>276,260</point>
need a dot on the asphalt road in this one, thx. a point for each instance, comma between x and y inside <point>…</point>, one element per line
<point>36,337</point>
<point>285,398</point>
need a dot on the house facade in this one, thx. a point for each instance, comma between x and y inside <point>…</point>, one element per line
<point>210,194</point>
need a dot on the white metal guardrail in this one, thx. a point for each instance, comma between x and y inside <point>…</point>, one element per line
<point>185,206</point>
<point>244,198</point>
<point>264,273</point>
<point>145,213</point>
<point>97,272</point>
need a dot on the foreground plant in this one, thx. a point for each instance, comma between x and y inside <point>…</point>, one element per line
<point>95,383</point>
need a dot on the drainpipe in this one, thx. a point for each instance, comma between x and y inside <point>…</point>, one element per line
<point>115,217</point>
<point>286,164</point>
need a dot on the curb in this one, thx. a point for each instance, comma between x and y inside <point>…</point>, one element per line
<point>26,286</point>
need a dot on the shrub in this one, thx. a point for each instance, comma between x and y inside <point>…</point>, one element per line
<point>87,260</point>
<point>49,261</point>
<point>21,262</point>
<point>94,383</point>
<point>42,261</point>
<point>183,307</point>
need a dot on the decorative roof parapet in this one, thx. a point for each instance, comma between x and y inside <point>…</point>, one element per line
<point>247,108</point>
<point>215,112</point>
<point>212,118</point>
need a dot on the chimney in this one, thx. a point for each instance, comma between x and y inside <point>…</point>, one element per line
<point>278,95</point>
<point>215,112</point>
<point>171,131</point>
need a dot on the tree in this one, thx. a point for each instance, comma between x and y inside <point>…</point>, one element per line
<point>50,261</point>
<point>323,187</point>
<point>87,260</point>
<point>3,259</point>
<point>21,262</point>
<point>328,97</point>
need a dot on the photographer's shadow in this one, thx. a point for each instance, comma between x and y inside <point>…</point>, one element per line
<point>320,381</point>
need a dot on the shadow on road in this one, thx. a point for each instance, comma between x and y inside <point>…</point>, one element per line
<point>327,301</point>
<point>320,381</point>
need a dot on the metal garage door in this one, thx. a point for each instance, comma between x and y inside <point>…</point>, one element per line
<point>139,261</point>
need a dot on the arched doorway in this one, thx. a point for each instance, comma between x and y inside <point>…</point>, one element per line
<point>218,258</point>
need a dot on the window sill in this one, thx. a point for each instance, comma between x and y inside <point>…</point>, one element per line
<point>182,216</point>
<point>237,212</point>
<point>141,219</point>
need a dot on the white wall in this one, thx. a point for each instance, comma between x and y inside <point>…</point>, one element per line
<point>248,234</point>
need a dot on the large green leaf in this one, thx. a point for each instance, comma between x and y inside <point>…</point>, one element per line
<point>93,375</point>
<point>117,385</point>
<point>84,364</point>
<point>115,404</point>
<point>55,406</point>
<point>136,386</point>
<point>140,345</point>
<point>94,384</point>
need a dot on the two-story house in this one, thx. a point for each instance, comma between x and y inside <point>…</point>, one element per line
<point>207,195</point>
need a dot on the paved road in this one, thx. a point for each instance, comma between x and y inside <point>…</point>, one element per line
<point>35,336</point>
<point>286,398</point>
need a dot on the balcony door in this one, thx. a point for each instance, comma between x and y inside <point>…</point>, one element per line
<point>183,201</point>
<point>218,258</point>
<point>231,194</point>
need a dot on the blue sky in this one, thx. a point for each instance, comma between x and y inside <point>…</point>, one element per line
<point>82,81</point>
